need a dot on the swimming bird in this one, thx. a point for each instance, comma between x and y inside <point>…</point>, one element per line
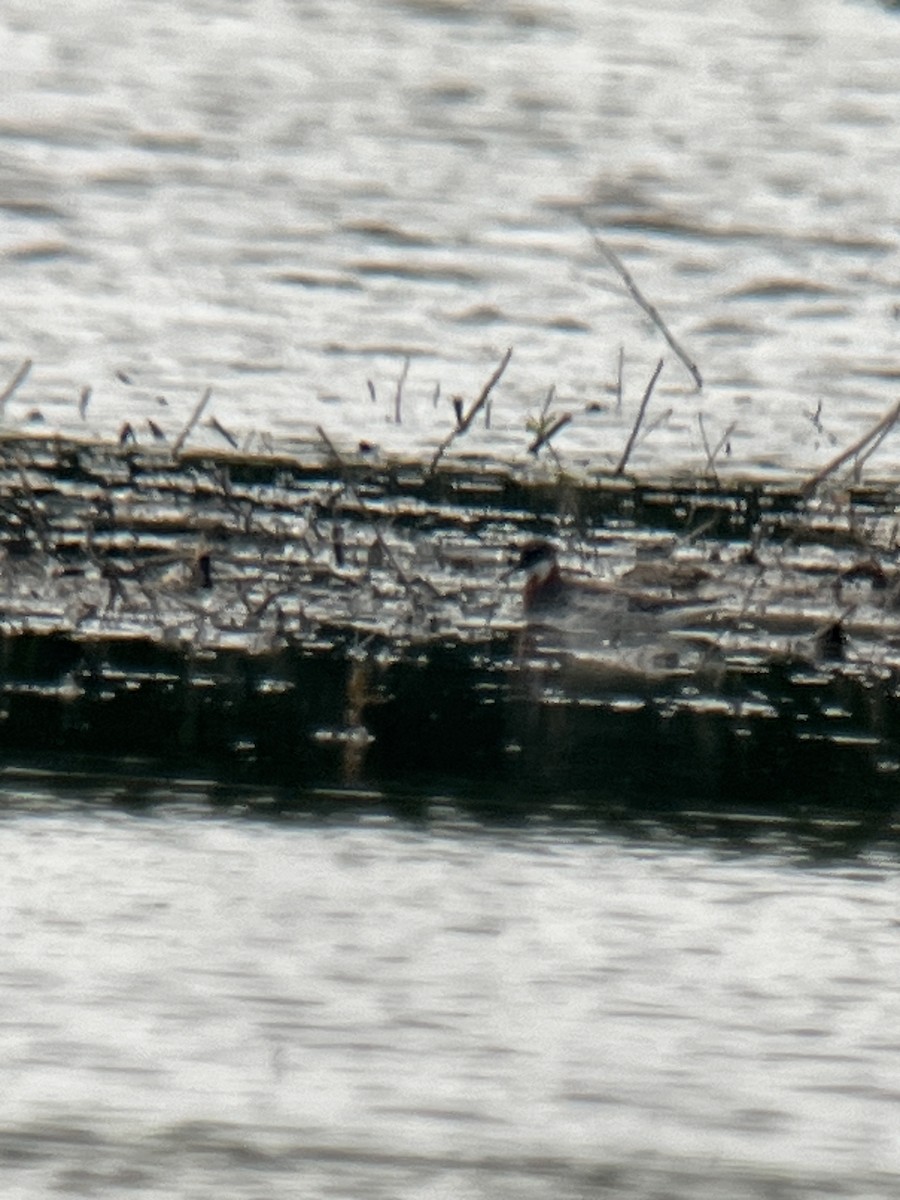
<point>646,587</point>
<point>636,622</point>
<point>543,579</point>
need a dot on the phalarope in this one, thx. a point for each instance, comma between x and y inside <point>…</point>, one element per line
<point>646,587</point>
<point>636,619</point>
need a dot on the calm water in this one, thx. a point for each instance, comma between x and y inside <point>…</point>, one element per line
<point>197,1004</point>
<point>284,199</point>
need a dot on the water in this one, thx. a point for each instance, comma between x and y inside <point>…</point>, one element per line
<point>367,1005</point>
<point>284,200</point>
<point>206,990</point>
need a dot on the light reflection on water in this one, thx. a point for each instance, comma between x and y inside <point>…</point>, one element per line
<point>284,200</point>
<point>404,997</point>
<point>380,1005</point>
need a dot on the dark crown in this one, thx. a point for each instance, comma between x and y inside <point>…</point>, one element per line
<point>535,552</point>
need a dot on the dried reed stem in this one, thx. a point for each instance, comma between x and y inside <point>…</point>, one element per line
<point>642,302</point>
<point>712,454</point>
<point>869,451</point>
<point>629,445</point>
<point>332,449</point>
<point>656,423</point>
<point>545,434</point>
<point>485,392</point>
<point>464,423</point>
<point>38,523</point>
<point>16,380</point>
<point>398,394</point>
<point>192,421</point>
<point>408,583</point>
<point>226,434</point>
<point>878,431</point>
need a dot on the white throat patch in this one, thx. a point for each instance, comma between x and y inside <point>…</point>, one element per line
<point>541,571</point>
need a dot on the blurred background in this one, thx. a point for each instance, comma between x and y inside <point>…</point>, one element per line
<point>285,199</point>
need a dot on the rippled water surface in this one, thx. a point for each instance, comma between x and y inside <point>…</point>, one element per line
<point>198,1001</point>
<point>207,991</point>
<point>285,199</point>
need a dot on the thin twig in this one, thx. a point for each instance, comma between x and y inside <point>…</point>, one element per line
<point>724,441</point>
<point>544,434</point>
<point>192,421</point>
<point>538,427</point>
<point>408,583</point>
<point>881,427</point>
<point>712,454</point>
<point>620,379</point>
<point>652,426</point>
<point>629,445</point>
<point>388,555</point>
<point>333,450</point>
<point>706,449</point>
<point>693,535</point>
<point>464,423</point>
<point>551,392</point>
<point>869,451</point>
<point>39,524</point>
<point>398,395</point>
<point>226,434</point>
<point>642,302</point>
<point>17,379</point>
<point>485,392</point>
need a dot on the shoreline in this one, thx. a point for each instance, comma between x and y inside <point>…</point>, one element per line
<point>294,618</point>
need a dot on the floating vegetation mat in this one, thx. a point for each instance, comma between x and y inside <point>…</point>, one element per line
<point>308,619</point>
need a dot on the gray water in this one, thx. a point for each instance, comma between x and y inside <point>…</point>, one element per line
<point>197,1005</point>
<point>283,201</point>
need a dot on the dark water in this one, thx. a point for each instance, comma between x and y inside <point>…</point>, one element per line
<point>408,991</point>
